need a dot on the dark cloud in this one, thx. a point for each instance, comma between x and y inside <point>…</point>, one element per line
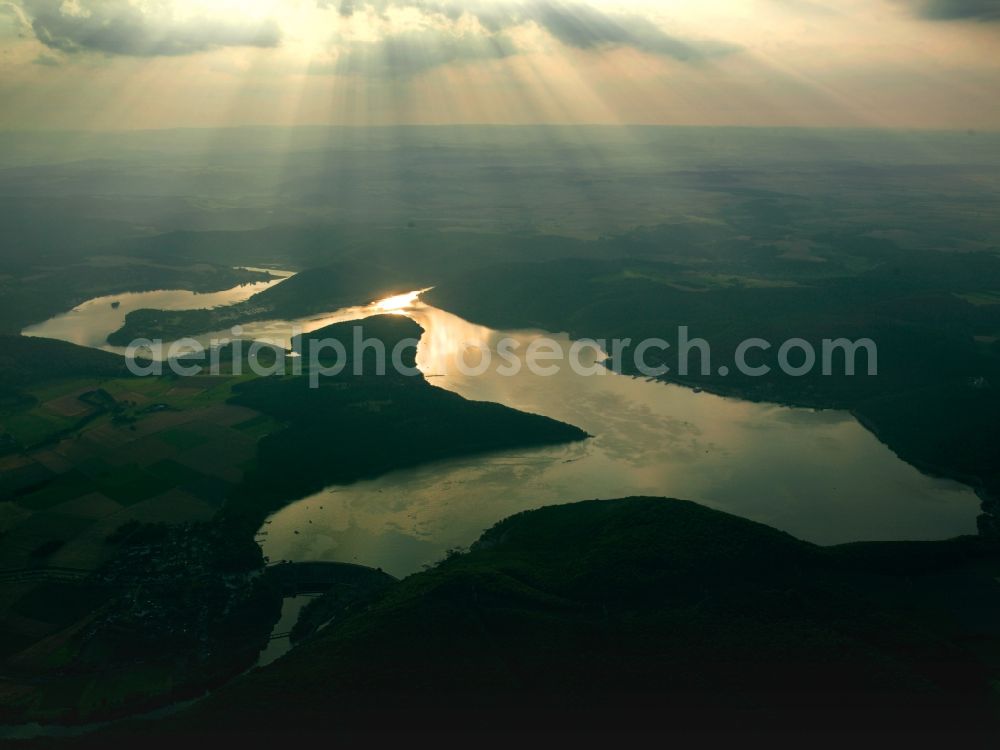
<point>584,27</point>
<point>345,8</point>
<point>410,53</point>
<point>956,10</point>
<point>575,24</point>
<point>117,27</point>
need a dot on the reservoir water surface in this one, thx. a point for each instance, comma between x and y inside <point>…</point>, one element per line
<point>816,474</point>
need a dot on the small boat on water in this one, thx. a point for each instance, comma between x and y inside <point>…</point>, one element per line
<point>116,304</point>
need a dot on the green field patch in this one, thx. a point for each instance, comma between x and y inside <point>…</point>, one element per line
<point>24,480</point>
<point>68,486</point>
<point>183,438</point>
<point>130,484</point>
<point>12,401</point>
<point>248,466</point>
<point>218,389</point>
<point>249,424</point>
<point>13,640</point>
<point>179,392</point>
<point>148,387</point>
<point>56,409</point>
<point>95,467</point>
<point>58,602</point>
<point>54,389</point>
<point>90,505</point>
<point>69,406</point>
<point>220,459</point>
<point>175,473</point>
<point>257,427</point>
<point>211,490</point>
<point>36,536</point>
<point>34,426</point>
<point>114,689</point>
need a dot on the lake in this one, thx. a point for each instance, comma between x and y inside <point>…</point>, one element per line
<point>816,474</point>
<point>90,323</point>
<point>819,475</point>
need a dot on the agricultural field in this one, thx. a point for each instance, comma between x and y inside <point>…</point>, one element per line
<point>100,453</point>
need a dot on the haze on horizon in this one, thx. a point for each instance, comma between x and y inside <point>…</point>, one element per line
<point>133,64</point>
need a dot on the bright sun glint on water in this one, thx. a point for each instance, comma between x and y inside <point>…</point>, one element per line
<point>397,303</point>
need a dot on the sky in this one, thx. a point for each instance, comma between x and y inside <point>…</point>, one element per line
<point>136,64</point>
